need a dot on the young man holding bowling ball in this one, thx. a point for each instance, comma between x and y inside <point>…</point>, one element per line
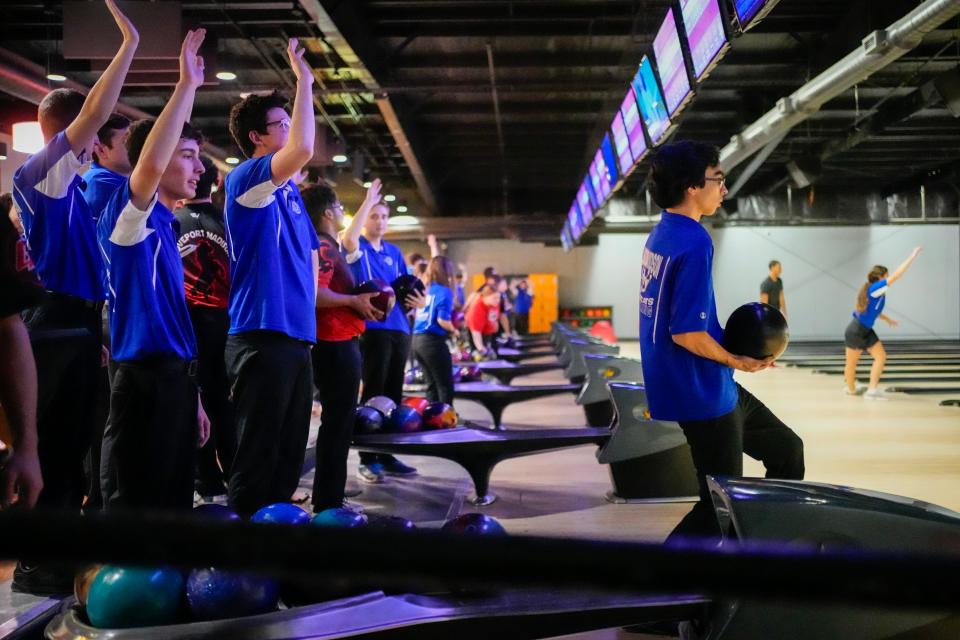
<point>689,375</point>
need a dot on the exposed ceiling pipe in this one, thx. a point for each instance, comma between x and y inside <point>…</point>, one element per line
<point>877,50</point>
<point>504,180</point>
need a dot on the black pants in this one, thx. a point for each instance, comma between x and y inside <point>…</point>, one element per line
<point>336,373</point>
<point>150,443</point>
<point>522,321</point>
<point>433,354</point>
<point>718,445</point>
<point>385,354</point>
<point>65,334</point>
<point>213,462</point>
<point>271,381</point>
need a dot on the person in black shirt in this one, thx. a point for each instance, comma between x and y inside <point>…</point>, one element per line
<point>771,289</point>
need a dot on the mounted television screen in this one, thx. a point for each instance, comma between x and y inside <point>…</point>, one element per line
<point>598,182</point>
<point>634,127</point>
<point>622,142</point>
<point>610,161</point>
<point>705,33</point>
<point>650,100</point>
<point>670,65</point>
<point>584,205</point>
<point>749,12</point>
<point>576,222</point>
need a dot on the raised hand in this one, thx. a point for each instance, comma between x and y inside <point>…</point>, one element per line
<point>300,68</point>
<point>129,32</point>
<point>191,64</point>
<point>373,193</point>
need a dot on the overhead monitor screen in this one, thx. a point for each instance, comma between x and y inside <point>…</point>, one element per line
<point>631,122</point>
<point>609,160</point>
<point>670,64</point>
<point>598,182</point>
<point>622,143</point>
<point>585,205</point>
<point>705,32</point>
<point>747,10</point>
<point>652,107</point>
<point>576,224</point>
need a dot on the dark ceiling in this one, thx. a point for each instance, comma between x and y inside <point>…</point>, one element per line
<point>409,85</point>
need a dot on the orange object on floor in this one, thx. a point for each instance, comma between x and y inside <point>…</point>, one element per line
<point>604,331</point>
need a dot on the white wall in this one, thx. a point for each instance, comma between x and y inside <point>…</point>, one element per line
<point>823,268</point>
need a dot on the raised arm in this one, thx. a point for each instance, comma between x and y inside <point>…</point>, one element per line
<point>350,239</point>
<point>434,245</point>
<point>299,148</point>
<point>102,98</point>
<point>164,137</point>
<point>902,269</point>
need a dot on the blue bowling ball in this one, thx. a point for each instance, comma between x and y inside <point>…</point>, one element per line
<point>213,594</point>
<point>367,420</point>
<point>404,419</point>
<point>125,597</point>
<point>281,513</point>
<point>215,511</point>
<point>340,518</point>
<point>474,524</point>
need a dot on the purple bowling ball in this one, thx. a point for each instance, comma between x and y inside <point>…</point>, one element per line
<point>404,419</point>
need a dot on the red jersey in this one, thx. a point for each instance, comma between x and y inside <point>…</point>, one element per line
<point>335,324</point>
<point>483,318</point>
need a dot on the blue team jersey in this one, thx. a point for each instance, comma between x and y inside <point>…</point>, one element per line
<point>523,302</point>
<point>876,301</point>
<point>387,264</point>
<point>439,306</point>
<point>61,234</point>
<point>676,296</point>
<point>101,183</point>
<point>271,242</point>
<point>148,310</point>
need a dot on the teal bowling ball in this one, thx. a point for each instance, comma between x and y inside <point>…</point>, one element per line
<point>125,597</point>
<point>339,518</point>
<point>214,594</point>
<point>281,513</point>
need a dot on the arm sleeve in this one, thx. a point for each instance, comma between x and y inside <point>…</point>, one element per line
<point>328,259</point>
<point>878,288</point>
<point>130,227</point>
<point>692,294</point>
<point>48,172</point>
<point>253,186</point>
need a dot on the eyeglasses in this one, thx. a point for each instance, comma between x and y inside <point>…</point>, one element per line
<point>283,123</point>
<point>721,181</point>
<point>336,206</point>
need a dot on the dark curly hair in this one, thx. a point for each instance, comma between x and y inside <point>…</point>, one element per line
<point>318,198</point>
<point>250,114</point>
<point>677,167</point>
<point>139,130</point>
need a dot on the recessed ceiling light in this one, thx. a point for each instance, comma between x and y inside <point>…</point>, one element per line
<point>402,208</point>
<point>226,75</point>
<point>56,77</point>
<point>339,158</point>
<point>367,184</point>
<point>389,197</point>
<point>403,221</point>
<point>232,160</point>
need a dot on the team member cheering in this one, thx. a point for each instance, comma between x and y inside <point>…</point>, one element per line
<point>151,435</point>
<point>431,329</point>
<point>689,376</point>
<point>62,240</point>
<point>386,343</point>
<point>336,356</point>
<point>110,166</point>
<point>273,292</point>
<point>860,334</point>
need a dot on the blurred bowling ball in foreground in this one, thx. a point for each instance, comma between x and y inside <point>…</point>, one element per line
<point>213,594</point>
<point>213,511</point>
<point>82,580</point>
<point>124,597</point>
<point>385,299</point>
<point>383,404</point>
<point>414,375</point>
<point>367,420</point>
<point>403,420</point>
<point>339,518</point>
<point>391,523</point>
<point>405,285</point>
<point>471,373</point>
<point>474,524</point>
<point>416,403</point>
<point>457,319</point>
<point>439,415</point>
<point>281,513</point>
<point>756,330</point>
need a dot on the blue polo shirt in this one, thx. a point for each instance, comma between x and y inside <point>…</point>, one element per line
<point>876,301</point>
<point>148,310</point>
<point>676,296</point>
<point>60,232</point>
<point>101,183</point>
<point>367,263</point>
<point>523,302</point>
<point>270,240</point>
<point>439,306</point>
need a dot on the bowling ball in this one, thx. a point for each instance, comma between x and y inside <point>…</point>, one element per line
<point>383,404</point>
<point>367,420</point>
<point>385,299</point>
<point>457,374</point>
<point>124,597</point>
<point>215,511</point>
<point>457,319</point>
<point>213,594</point>
<point>406,284</point>
<point>403,420</point>
<point>440,416</point>
<point>82,580</point>
<point>339,518</point>
<point>281,513</point>
<point>474,524</point>
<point>756,330</point>
<point>470,373</point>
<point>391,523</point>
<point>414,376</point>
<point>418,404</point>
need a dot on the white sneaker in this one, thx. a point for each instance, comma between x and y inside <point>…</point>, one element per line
<point>858,390</point>
<point>875,394</point>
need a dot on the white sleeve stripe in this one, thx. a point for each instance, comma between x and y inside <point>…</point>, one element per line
<point>353,257</point>
<point>258,196</point>
<point>60,176</point>
<point>131,226</point>
<point>879,292</point>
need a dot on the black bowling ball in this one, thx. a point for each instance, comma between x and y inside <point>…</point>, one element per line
<point>756,330</point>
<point>385,299</point>
<point>406,284</point>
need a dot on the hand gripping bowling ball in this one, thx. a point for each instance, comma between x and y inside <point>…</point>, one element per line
<point>403,420</point>
<point>124,597</point>
<point>406,284</point>
<point>383,404</point>
<point>474,524</point>
<point>367,420</point>
<point>385,299</point>
<point>417,404</point>
<point>756,330</point>
<point>339,518</point>
<point>439,416</point>
<point>213,594</point>
<point>281,513</point>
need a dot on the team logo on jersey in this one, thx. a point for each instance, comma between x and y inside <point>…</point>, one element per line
<point>387,260</point>
<point>295,207</point>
